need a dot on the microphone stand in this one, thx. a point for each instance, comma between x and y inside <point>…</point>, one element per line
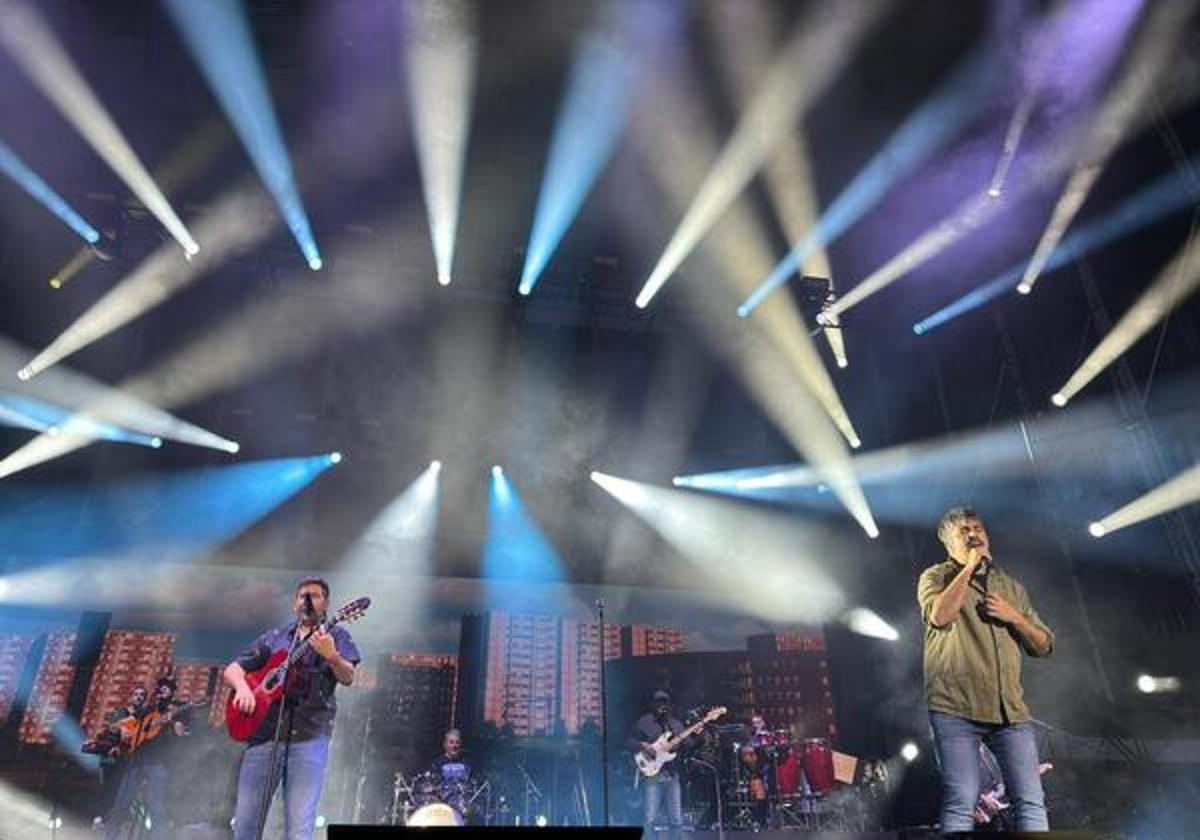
<point>716,777</point>
<point>603,717</point>
<point>265,803</point>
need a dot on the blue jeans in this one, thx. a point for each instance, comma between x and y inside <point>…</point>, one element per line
<point>302,776</point>
<point>957,740</point>
<point>665,786</point>
<point>145,783</point>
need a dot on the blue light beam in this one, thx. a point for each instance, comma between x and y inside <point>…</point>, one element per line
<point>47,418</point>
<point>29,181</point>
<point>180,516</point>
<point>957,100</point>
<point>219,38</point>
<point>1168,195</point>
<point>593,116</point>
<point>515,547</point>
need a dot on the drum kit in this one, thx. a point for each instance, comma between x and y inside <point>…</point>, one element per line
<point>776,779</point>
<point>426,800</point>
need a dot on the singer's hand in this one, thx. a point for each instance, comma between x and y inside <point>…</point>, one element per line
<point>243,700</point>
<point>323,644</point>
<point>996,607</point>
<point>976,554</point>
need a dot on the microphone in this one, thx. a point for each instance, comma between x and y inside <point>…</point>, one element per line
<point>984,560</point>
<point>308,604</point>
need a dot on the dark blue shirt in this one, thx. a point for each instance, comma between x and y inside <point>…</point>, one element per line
<point>310,703</point>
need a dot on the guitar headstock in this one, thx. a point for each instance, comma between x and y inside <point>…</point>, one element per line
<point>714,713</point>
<point>352,611</point>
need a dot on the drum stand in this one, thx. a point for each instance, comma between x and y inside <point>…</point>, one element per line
<point>533,796</point>
<point>484,790</point>
<point>398,814</point>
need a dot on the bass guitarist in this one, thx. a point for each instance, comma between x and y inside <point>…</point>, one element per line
<point>308,708</point>
<point>664,785</point>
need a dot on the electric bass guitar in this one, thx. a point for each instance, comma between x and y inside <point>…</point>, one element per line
<point>664,746</point>
<point>267,682</point>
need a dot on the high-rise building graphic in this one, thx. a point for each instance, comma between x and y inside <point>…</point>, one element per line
<point>195,680</point>
<point>790,682</point>
<point>128,658</point>
<point>645,640</point>
<point>540,674</point>
<point>51,688</point>
<point>14,649</point>
<point>416,691</point>
<point>580,670</point>
<point>412,706</point>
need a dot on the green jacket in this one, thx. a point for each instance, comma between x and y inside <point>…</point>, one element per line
<point>972,666</point>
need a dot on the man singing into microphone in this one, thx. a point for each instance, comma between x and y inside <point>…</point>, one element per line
<point>308,708</point>
<point>978,620</point>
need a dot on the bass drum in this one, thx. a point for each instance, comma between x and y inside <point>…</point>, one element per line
<point>426,790</point>
<point>435,814</point>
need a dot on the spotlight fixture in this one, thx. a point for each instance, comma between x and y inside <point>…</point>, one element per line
<point>1059,399</point>
<point>435,465</point>
<point>444,279</point>
<point>995,192</point>
<point>156,442</point>
<point>1097,529</point>
<point>1148,684</point>
<point>25,374</point>
<point>315,263</point>
<point>335,457</point>
<point>497,471</point>
<point>105,247</point>
<point>1024,288</point>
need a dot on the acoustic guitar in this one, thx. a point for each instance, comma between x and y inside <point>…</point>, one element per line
<point>267,682</point>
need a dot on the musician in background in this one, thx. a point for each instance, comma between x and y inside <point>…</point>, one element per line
<point>760,735</point>
<point>308,707</point>
<point>754,779</point>
<point>110,745</point>
<point>451,767</point>
<point>152,732</point>
<point>664,787</point>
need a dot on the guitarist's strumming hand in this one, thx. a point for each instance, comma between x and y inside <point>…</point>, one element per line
<point>243,699</point>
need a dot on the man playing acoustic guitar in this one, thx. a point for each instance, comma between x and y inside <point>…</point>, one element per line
<point>149,733</point>
<point>308,707</point>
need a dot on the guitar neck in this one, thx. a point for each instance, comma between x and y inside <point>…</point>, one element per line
<point>305,643</point>
<point>683,736</point>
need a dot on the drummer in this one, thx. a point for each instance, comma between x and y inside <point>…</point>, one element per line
<point>760,735</point>
<point>451,767</point>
